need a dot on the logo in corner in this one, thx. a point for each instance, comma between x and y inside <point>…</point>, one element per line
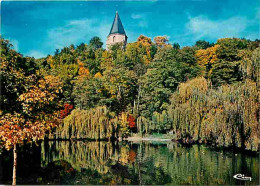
<point>242,177</point>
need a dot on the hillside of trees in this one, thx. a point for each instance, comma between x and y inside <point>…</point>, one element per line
<point>206,93</point>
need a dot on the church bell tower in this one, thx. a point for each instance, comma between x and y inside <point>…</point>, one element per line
<point>117,33</point>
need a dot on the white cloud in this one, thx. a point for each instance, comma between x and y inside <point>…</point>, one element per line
<point>202,27</point>
<point>76,31</point>
<point>36,54</point>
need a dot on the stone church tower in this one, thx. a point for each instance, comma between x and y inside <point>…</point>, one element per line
<point>117,33</point>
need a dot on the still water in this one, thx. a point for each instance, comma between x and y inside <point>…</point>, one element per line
<point>146,163</point>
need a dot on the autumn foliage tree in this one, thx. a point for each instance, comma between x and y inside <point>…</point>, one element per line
<point>206,58</point>
<point>162,41</point>
<point>35,100</point>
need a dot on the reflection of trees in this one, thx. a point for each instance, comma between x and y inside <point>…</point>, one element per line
<point>197,164</point>
<point>94,155</point>
<point>148,163</point>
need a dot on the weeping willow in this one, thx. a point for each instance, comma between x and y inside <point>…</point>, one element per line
<point>96,123</point>
<point>227,116</point>
<point>142,124</point>
<point>159,123</point>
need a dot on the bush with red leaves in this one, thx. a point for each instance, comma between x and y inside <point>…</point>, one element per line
<point>66,111</point>
<point>131,121</point>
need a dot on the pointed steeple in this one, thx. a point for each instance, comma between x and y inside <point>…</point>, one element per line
<point>117,27</point>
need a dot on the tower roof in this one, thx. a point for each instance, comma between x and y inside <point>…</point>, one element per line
<point>117,27</point>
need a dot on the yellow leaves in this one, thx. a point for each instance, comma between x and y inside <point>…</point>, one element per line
<point>38,97</point>
<point>207,56</point>
<point>146,60</point>
<point>50,61</point>
<point>162,41</point>
<point>247,65</point>
<point>98,75</point>
<point>53,82</point>
<point>123,118</point>
<point>3,64</point>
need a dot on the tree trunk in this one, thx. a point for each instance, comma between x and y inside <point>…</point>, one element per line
<point>14,165</point>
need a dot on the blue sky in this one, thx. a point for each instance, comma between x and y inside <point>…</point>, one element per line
<point>38,28</point>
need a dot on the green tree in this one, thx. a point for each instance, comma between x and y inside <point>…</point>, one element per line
<point>226,69</point>
<point>169,68</point>
<point>95,42</point>
<point>201,44</point>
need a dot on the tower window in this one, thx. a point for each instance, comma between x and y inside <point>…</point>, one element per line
<point>114,38</point>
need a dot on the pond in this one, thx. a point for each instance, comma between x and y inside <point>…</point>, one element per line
<point>146,163</point>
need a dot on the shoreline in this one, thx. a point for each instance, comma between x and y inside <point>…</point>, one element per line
<point>137,139</point>
<point>148,139</point>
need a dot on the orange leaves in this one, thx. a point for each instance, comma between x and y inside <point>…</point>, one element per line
<point>10,130</point>
<point>126,121</point>
<point>84,72</point>
<point>14,129</point>
<point>145,41</point>
<point>35,118</point>
<point>29,102</point>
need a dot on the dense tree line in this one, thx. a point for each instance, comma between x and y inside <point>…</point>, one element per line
<point>208,92</point>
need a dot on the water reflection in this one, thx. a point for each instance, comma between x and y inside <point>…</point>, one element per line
<point>81,162</point>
